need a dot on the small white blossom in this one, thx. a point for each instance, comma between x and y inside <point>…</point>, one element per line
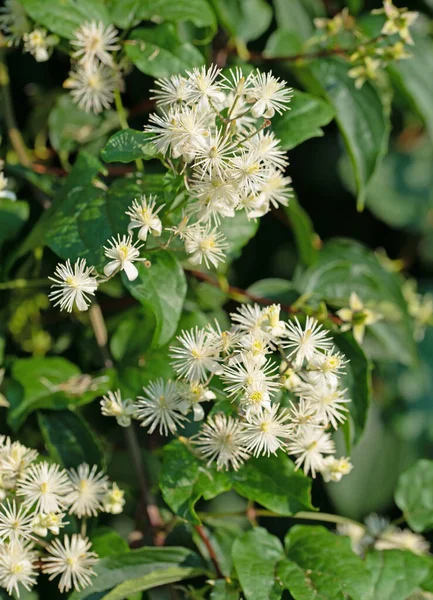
<point>304,342</point>
<point>221,439</point>
<point>303,414</point>
<point>395,538</point>
<point>328,401</point>
<point>92,86</point>
<point>194,394</point>
<point>205,245</point>
<point>333,469</point>
<point>114,500</point>
<point>17,567</point>
<point>269,95</point>
<point>202,87</point>
<point>123,254</point>
<point>45,486</point>
<point>36,44</point>
<point>196,356</point>
<point>173,90</point>
<point>113,405</point>
<point>144,216</point>
<point>73,285</point>
<point>246,373</point>
<point>267,431</point>
<point>72,560</point>
<point>15,522</point>
<point>88,490</point>
<point>94,40</point>
<point>51,522</point>
<point>161,406</point>
<point>309,447</point>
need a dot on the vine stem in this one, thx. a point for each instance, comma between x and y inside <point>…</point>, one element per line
<point>97,322</point>
<point>212,555</point>
<point>20,284</point>
<point>304,515</point>
<point>124,122</point>
<point>9,115</point>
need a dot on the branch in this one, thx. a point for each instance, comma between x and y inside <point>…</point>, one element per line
<point>212,555</point>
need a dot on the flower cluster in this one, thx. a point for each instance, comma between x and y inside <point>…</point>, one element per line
<point>35,498</point>
<point>380,534</point>
<point>94,76</point>
<point>293,407</point>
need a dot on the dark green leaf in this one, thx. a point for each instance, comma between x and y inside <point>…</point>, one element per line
<point>255,556</point>
<point>274,483</point>
<point>395,573</point>
<point>160,53</point>
<point>414,495</point>
<point>357,379</point>
<point>238,231</point>
<point>298,15</point>
<point>331,569</point>
<point>283,42</point>
<point>128,12</point>
<point>161,287</point>
<point>107,541</point>
<point>127,145</point>
<point>39,380</point>
<point>65,16</point>
<point>13,215</point>
<point>297,581</point>
<point>277,290</point>
<point>244,19</point>
<point>140,570</point>
<point>305,236</point>
<point>303,121</point>
<point>69,440</point>
<point>360,115</point>
<point>221,590</point>
<point>345,266</point>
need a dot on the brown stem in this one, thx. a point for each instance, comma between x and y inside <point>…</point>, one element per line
<point>201,532</point>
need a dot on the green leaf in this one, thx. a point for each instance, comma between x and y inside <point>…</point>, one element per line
<point>130,12</point>
<point>161,287</point>
<point>357,379</point>
<point>13,215</point>
<point>159,52</point>
<point>255,556</point>
<point>345,266</point>
<point>395,573</point>
<point>414,77</point>
<point>282,42</point>
<point>107,541</point>
<point>38,380</point>
<point>86,167</point>
<point>305,237</point>
<point>221,590</point>
<point>69,440</point>
<point>303,121</point>
<point>140,570</point>
<point>297,581</point>
<point>360,115</point>
<point>274,483</point>
<point>244,19</point>
<point>331,569</point>
<point>65,16</point>
<point>277,290</point>
<point>127,145</point>
<point>238,231</point>
<point>298,15</point>
<point>414,495</point>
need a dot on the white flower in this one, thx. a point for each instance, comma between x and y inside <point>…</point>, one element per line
<point>357,317</point>
<point>94,40</point>
<point>202,87</point>
<point>173,90</point>
<point>333,468</point>
<point>72,560</point>
<point>255,343</point>
<point>114,501</point>
<point>356,533</point>
<point>113,405</point>
<point>302,414</point>
<point>196,356</point>
<point>122,253</point>
<point>161,406</point>
<point>326,367</point>
<point>51,522</point>
<point>144,216</point>
<point>221,439</point>
<point>204,244</point>
<point>213,154</point>
<point>88,490</point>
<point>273,325</point>
<point>269,95</point>
<point>402,539</point>
<point>194,394</point>
<point>328,401</point>
<point>267,147</point>
<point>17,567</point>
<point>215,198</point>
<point>14,460</point>
<point>35,43</point>
<point>15,522</point>
<point>305,342</point>
<point>73,285</point>
<point>248,172</point>
<point>93,86</point>
<point>236,82</point>
<point>267,431</point>
<point>245,373</point>
<point>45,486</point>
<point>256,398</point>
<point>249,318</point>
<point>275,190</point>
<point>309,447</point>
